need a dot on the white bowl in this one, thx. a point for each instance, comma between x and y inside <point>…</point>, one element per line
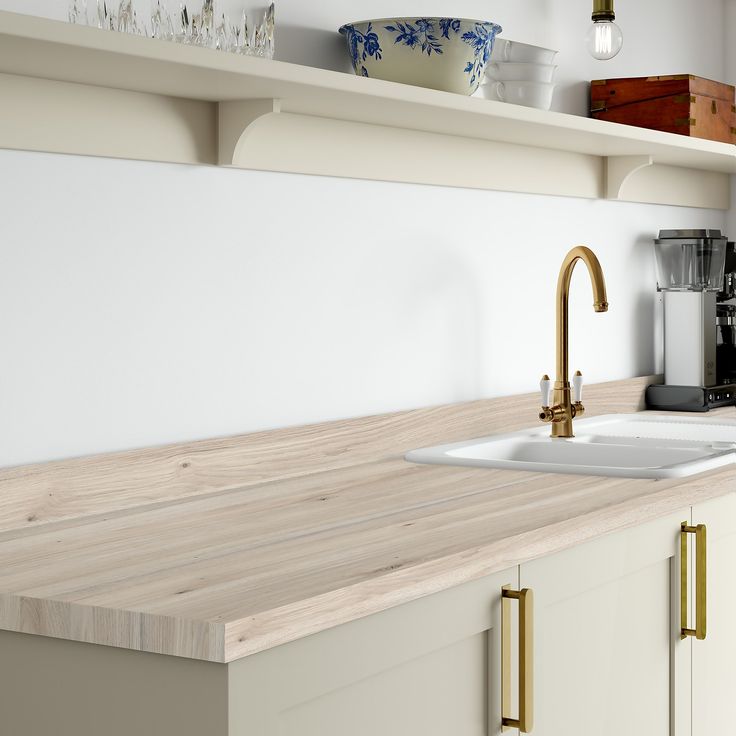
<point>506,50</point>
<point>529,94</point>
<point>449,54</point>
<point>519,71</point>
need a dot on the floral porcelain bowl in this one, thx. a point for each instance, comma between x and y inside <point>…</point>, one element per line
<point>449,54</point>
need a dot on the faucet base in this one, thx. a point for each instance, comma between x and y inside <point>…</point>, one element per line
<point>562,427</point>
<point>562,412</point>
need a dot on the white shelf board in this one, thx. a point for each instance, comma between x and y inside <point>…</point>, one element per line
<point>49,51</point>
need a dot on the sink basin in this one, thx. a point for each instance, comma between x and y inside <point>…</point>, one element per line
<point>618,445</point>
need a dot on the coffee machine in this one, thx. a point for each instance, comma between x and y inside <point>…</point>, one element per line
<point>696,271</point>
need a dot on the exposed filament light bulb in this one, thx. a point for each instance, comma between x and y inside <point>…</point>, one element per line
<point>604,38</point>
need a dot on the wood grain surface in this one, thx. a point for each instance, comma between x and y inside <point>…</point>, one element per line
<point>219,549</point>
<point>70,489</point>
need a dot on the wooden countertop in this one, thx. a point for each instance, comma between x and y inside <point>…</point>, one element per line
<point>216,550</point>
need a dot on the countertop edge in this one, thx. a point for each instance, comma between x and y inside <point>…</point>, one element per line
<point>120,628</point>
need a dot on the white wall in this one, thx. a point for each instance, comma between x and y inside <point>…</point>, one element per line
<point>148,303</point>
<point>729,31</point>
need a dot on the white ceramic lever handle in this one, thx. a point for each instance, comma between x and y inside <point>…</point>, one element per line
<point>545,387</point>
<point>577,386</point>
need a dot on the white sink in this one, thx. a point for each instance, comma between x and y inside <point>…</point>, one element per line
<point>619,445</point>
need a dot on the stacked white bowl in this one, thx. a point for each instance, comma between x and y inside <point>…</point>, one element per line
<point>520,73</point>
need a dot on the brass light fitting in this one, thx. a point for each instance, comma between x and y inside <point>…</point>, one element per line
<point>564,407</point>
<point>603,10</point>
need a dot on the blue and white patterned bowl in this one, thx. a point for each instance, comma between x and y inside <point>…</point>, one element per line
<point>450,54</point>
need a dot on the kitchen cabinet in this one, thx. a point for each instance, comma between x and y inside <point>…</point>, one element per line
<point>606,655</point>
<point>604,651</point>
<point>714,658</point>
<point>608,658</point>
<point>429,667</point>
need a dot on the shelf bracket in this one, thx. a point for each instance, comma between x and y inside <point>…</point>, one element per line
<point>619,169</point>
<point>234,119</point>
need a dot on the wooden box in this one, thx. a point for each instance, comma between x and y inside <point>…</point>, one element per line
<point>682,104</point>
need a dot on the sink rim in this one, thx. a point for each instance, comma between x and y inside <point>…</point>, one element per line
<point>719,458</point>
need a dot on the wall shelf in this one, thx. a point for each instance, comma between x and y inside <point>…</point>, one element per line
<point>79,90</point>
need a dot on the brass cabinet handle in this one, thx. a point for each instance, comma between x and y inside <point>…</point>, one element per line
<point>525,721</point>
<point>700,580</point>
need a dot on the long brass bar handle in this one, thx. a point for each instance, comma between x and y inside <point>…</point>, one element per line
<point>700,581</point>
<point>525,721</point>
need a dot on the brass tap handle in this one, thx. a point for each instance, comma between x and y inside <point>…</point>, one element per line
<point>577,387</point>
<point>545,388</point>
<point>577,395</point>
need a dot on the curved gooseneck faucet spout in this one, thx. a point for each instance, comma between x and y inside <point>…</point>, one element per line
<point>563,409</point>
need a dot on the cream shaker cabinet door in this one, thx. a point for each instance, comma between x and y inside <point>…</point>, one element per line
<point>608,659</point>
<point>427,668</point>
<point>714,658</point>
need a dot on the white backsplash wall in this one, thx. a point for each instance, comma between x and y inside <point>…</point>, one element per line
<point>147,303</point>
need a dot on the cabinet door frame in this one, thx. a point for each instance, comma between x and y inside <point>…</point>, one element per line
<point>582,569</point>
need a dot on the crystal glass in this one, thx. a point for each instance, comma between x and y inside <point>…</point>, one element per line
<point>192,24</point>
<point>222,34</point>
<point>162,26</point>
<point>78,12</point>
<point>250,37</point>
<point>207,24</point>
<point>183,32</point>
<point>106,17</point>
<point>127,21</point>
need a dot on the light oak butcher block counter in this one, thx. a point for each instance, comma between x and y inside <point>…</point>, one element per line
<point>219,549</point>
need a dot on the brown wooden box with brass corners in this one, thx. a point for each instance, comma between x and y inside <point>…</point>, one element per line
<point>682,104</point>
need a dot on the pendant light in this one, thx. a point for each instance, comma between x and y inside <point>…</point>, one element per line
<point>604,38</point>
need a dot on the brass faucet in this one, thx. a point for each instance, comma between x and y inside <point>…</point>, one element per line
<point>564,409</point>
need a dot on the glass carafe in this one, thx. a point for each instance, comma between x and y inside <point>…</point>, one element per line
<point>690,260</point>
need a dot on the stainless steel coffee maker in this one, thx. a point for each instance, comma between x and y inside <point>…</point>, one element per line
<point>696,271</point>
